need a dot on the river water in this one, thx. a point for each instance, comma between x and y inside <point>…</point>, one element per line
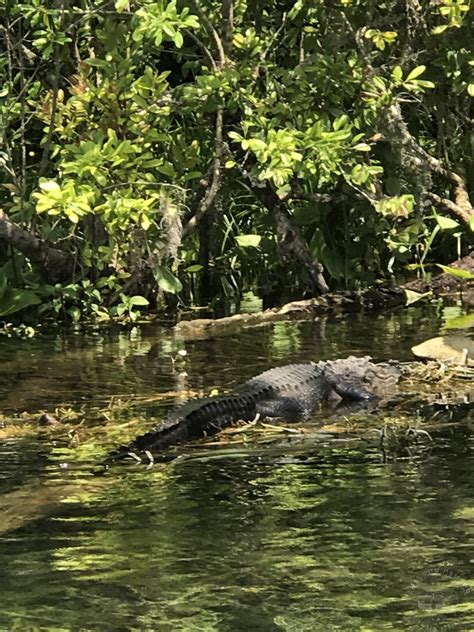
<point>316,534</point>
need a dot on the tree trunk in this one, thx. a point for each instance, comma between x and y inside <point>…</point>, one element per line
<point>290,240</point>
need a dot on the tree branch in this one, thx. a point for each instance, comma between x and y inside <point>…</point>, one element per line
<point>452,208</point>
<point>203,47</point>
<point>421,161</point>
<point>227,26</point>
<point>290,240</point>
<point>54,104</point>
<point>209,196</point>
<point>412,156</point>
<point>212,31</point>
<point>57,265</point>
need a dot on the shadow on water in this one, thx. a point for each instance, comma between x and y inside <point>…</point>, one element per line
<point>311,535</point>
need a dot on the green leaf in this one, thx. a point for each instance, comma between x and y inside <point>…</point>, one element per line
<point>72,215</point>
<point>248,241</point>
<point>145,222</point>
<point>416,72</point>
<point>256,144</point>
<point>446,223</point>
<point>379,42</point>
<point>49,185</point>
<point>470,89</point>
<point>169,30</point>
<point>14,300</point>
<point>397,73</point>
<point>166,280</point>
<point>296,8</point>
<point>456,272</point>
<point>234,135</point>
<point>121,5</point>
<point>362,147</point>
<point>75,313</point>
<point>138,300</point>
<point>97,63</point>
<point>167,169</point>
<point>194,268</point>
<point>192,175</point>
<point>424,84</point>
<point>340,122</point>
<point>390,36</point>
<point>178,39</point>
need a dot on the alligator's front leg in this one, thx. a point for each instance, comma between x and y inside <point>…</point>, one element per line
<point>349,390</point>
<point>288,408</point>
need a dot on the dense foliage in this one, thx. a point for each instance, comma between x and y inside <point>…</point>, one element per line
<point>198,148</point>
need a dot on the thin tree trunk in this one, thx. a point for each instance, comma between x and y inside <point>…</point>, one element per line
<point>290,240</point>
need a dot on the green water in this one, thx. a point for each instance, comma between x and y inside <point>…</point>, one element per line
<point>320,534</point>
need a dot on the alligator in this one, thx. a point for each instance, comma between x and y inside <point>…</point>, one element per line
<point>291,392</point>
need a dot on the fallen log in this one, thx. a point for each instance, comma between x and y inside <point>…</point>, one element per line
<point>374,298</point>
<point>337,302</point>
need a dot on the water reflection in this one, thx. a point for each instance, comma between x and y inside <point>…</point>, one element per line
<point>332,539</point>
<point>302,535</point>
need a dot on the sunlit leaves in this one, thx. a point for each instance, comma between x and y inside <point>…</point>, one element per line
<point>248,241</point>
<point>163,21</point>
<point>67,200</point>
<point>249,43</point>
<point>446,223</point>
<point>122,5</point>
<point>277,153</point>
<point>416,72</point>
<point>363,174</point>
<point>398,206</point>
<point>454,12</point>
<point>411,81</point>
<point>459,273</point>
<point>381,38</point>
<point>295,10</point>
<point>397,74</point>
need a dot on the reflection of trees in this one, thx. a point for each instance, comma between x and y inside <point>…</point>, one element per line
<point>327,536</point>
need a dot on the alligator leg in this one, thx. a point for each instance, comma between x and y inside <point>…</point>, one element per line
<point>288,408</point>
<point>350,390</point>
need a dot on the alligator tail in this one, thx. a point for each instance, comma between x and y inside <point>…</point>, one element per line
<point>196,419</point>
